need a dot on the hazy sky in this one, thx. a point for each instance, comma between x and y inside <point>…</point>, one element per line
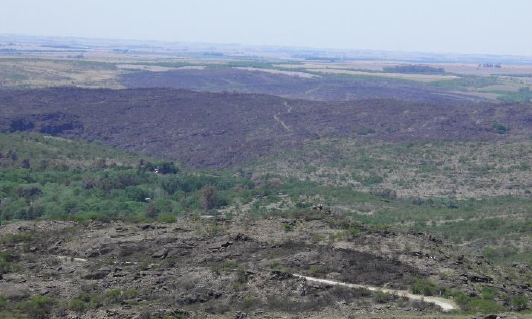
<point>461,26</point>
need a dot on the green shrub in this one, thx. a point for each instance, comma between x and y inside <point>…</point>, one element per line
<point>137,194</point>
<point>90,300</point>
<point>372,180</point>
<point>314,269</point>
<point>77,305</point>
<point>488,293</point>
<point>382,297</point>
<point>499,128</point>
<point>287,227</point>
<point>7,263</point>
<point>520,303</point>
<point>484,306</point>
<point>353,232</point>
<point>461,298</point>
<point>425,288</point>
<point>167,218</point>
<point>39,307</point>
<point>113,296</point>
<point>16,238</point>
<point>144,264</point>
<point>274,264</point>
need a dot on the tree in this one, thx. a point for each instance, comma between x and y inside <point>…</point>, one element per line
<point>499,128</point>
<point>167,168</point>
<point>26,163</point>
<point>152,211</point>
<point>208,197</point>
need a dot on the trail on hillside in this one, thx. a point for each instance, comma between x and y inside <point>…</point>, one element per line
<point>283,124</point>
<point>444,304</point>
<point>289,107</point>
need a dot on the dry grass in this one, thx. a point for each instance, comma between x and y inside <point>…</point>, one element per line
<point>414,77</point>
<point>456,169</point>
<point>274,71</point>
<point>37,73</point>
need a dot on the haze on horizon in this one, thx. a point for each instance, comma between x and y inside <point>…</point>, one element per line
<point>442,26</point>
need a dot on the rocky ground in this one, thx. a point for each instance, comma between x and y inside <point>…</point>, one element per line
<point>238,268</point>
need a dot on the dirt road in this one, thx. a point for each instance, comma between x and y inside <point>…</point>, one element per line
<point>444,304</point>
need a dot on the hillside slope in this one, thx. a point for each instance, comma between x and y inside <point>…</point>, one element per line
<point>92,232</point>
<point>224,129</point>
<point>321,88</point>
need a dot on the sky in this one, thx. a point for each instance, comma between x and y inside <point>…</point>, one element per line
<point>439,26</point>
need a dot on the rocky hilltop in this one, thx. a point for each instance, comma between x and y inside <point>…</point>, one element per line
<point>237,268</point>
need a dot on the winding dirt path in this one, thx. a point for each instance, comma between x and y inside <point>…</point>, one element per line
<point>444,304</point>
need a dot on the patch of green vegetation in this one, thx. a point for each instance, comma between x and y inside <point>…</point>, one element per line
<point>382,297</point>
<point>475,305</point>
<point>250,64</point>
<point>426,288</point>
<point>16,77</point>
<point>77,305</point>
<point>7,263</point>
<point>44,177</point>
<point>229,64</point>
<point>465,82</point>
<point>167,64</point>
<point>39,307</point>
<point>520,303</point>
<point>414,69</point>
<point>372,180</point>
<point>44,307</point>
<point>523,95</point>
<point>95,65</point>
<point>93,300</point>
<point>499,128</point>
<point>484,304</point>
<point>368,74</point>
<point>16,238</point>
<point>287,227</point>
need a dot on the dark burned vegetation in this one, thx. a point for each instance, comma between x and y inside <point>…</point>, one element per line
<point>225,129</point>
<point>321,88</point>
